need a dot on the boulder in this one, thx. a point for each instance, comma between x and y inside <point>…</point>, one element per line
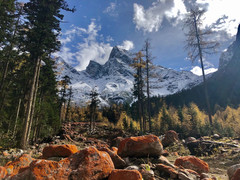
<point>40,169</point>
<point>118,174</point>
<point>169,138</point>
<point>236,175</point>
<point>91,164</point>
<point>141,146</point>
<point>232,169</point>
<point>13,167</point>
<point>3,172</point>
<point>87,164</point>
<point>193,163</point>
<point>59,150</point>
<point>118,162</point>
<point>167,171</point>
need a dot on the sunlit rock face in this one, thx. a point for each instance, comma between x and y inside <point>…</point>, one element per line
<point>227,55</point>
<point>114,79</point>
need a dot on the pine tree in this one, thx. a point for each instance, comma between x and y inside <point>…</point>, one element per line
<point>41,31</point>
<point>93,107</point>
<point>70,95</point>
<point>64,84</point>
<point>139,64</point>
<point>9,27</point>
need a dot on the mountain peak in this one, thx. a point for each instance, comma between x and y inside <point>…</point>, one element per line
<point>118,53</point>
<point>238,35</point>
<point>115,51</point>
<point>93,68</point>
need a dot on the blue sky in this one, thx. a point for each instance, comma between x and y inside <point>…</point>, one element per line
<point>98,25</point>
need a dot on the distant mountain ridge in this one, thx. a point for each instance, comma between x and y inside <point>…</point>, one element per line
<point>114,79</point>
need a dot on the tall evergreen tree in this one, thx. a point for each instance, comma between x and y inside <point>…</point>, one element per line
<point>41,31</point>
<point>9,26</point>
<point>93,107</point>
<point>139,64</point>
<point>64,84</point>
<point>70,95</point>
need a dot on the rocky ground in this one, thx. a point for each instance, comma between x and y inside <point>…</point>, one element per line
<point>77,154</point>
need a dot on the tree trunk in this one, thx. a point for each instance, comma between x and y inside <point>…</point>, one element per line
<point>139,102</point>
<point>34,102</point>
<point>24,142</point>
<point>148,93</point>
<point>17,114</point>
<point>204,78</point>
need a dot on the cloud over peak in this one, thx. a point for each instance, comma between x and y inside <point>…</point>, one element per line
<point>150,20</point>
<point>80,45</point>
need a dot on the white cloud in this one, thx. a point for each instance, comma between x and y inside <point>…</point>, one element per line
<point>198,71</point>
<point>127,45</point>
<point>150,20</point>
<point>224,12</point>
<point>90,47</point>
<point>221,15</point>
<point>111,10</point>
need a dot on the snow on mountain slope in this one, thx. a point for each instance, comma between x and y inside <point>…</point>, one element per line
<point>114,79</point>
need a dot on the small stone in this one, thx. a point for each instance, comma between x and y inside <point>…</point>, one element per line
<point>5,153</point>
<point>132,168</point>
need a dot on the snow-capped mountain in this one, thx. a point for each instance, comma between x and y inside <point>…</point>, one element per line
<point>114,79</point>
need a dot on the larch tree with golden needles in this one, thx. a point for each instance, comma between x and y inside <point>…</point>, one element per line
<point>198,45</point>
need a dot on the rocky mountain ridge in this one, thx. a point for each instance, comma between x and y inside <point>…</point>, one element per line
<point>114,79</point>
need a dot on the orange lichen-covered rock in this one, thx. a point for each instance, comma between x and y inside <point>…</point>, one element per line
<point>167,170</point>
<point>192,162</point>
<point>40,169</point>
<point>90,164</point>
<point>142,146</point>
<point>236,175</point>
<point>118,174</point>
<point>59,150</point>
<point>13,167</point>
<point>3,172</point>
<point>87,164</point>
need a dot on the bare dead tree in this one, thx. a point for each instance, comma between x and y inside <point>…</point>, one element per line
<point>149,66</point>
